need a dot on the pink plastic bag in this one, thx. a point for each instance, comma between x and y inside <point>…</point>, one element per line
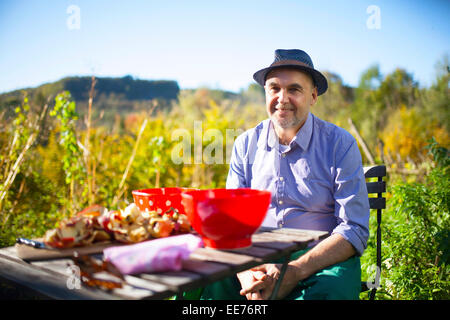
<point>164,254</point>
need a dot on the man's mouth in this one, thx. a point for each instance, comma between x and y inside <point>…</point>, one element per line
<point>284,108</point>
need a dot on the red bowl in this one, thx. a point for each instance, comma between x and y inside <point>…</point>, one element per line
<point>226,218</point>
<point>159,199</point>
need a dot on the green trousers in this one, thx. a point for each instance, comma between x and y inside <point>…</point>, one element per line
<point>341,281</point>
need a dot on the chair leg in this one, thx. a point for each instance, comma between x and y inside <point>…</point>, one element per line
<point>372,294</point>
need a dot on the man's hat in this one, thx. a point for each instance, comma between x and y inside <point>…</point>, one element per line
<point>297,59</point>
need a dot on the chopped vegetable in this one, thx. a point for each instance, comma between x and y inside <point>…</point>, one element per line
<point>130,225</point>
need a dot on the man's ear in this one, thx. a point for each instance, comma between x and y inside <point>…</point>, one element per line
<point>314,96</point>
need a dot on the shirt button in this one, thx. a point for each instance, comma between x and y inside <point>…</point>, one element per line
<point>283,155</point>
<point>280,202</point>
<point>281,178</point>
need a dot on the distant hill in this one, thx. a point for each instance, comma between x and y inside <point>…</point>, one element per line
<point>131,89</point>
<point>124,92</point>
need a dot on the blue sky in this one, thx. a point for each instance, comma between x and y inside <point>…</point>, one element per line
<point>219,44</point>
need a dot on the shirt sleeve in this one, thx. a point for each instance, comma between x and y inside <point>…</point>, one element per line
<point>236,174</point>
<point>351,200</point>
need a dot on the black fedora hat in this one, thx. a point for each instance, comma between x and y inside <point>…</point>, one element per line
<point>293,58</point>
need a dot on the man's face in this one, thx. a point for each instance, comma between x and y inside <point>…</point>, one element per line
<point>289,97</point>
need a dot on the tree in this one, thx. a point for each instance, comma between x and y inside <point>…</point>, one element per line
<point>334,105</point>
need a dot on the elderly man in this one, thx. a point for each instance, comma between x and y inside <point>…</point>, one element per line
<point>314,172</point>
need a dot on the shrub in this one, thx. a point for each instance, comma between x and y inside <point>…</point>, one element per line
<point>416,230</point>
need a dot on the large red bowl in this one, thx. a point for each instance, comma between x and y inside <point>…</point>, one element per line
<point>226,218</point>
<point>160,200</point>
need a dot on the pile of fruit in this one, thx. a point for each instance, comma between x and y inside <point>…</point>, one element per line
<point>130,225</point>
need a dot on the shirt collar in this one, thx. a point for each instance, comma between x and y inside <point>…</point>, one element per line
<point>302,138</point>
<point>272,138</point>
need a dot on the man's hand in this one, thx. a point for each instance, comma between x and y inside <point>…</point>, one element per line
<point>266,277</point>
<point>250,279</point>
<point>258,282</point>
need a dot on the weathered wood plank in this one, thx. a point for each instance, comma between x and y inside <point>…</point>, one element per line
<point>209,271</point>
<point>256,251</point>
<point>176,281</point>
<point>59,268</point>
<point>269,242</point>
<point>208,254</point>
<point>45,283</point>
<point>137,288</point>
<point>303,234</point>
<point>271,236</point>
<point>206,268</point>
<point>292,235</point>
<point>173,279</point>
<point>10,252</point>
<point>32,254</point>
<point>133,289</point>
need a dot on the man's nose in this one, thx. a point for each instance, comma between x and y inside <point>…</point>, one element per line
<point>283,97</point>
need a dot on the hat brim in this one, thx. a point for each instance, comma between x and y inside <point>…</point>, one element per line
<point>319,79</point>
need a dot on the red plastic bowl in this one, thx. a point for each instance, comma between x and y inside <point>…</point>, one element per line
<point>159,199</point>
<point>226,218</point>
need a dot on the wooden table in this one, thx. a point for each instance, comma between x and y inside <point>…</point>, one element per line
<point>52,278</point>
